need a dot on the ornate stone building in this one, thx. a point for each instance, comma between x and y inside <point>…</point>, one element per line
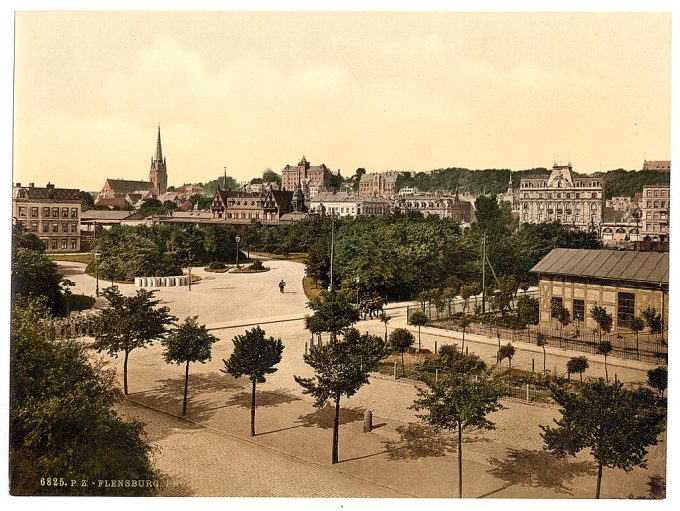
<point>313,176</point>
<point>378,184</point>
<point>564,196</point>
<point>441,204</point>
<point>53,214</point>
<point>269,205</point>
<point>349,204</point>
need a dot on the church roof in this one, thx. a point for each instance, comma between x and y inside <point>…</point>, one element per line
<point>128,186</point>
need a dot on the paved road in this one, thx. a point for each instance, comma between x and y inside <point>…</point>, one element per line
<point>228,302</point>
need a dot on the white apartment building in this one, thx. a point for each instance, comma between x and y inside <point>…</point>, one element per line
<point>563,196</point>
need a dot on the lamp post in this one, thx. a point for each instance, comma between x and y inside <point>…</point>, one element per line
<point>96,259</point>
<point>238,239</point>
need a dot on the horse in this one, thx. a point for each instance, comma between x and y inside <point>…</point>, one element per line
<point>374,305</point>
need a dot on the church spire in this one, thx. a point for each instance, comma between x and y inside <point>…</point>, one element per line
<point>159,151</point>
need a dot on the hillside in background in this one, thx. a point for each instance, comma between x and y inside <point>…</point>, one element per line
<point>618,182</point>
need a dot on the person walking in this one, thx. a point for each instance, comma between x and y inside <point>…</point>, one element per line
<point>282,285</point>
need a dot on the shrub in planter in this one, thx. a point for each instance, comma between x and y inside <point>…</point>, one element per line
<point>217,265</point>
<point>257,265</point>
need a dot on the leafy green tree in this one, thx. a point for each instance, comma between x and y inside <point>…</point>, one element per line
<point>318,262</point>
<point>459,403</point>
<point>62,419</point>
<point>269,176</point>
<point>401,340</point>
<point>255,356</point>
<point>577,365</point>
<point>605,348</point>
<point>615,425</point>
<point>542,342</point>
<point>653,320</point>
<point>561,313</point>
<point>463,323</point>
<point>189,342</point>
<point>23,238</point>
<point>657,378</point>
<point>334,182</point>
<point>341,369</point>
<point>86,200</point>
<point>419,319</point>
<point>130,322</point>
<point>33,274</point>
<point>456,361</point>
<point>603,319</point>
<point>333,313</point>
<point>66,285</point>
<point>637,325</point>
<point>507,351</point>
<point>466,292</point>
<point>210,188</point>
<point>385,318</point>
<point>528,309</point>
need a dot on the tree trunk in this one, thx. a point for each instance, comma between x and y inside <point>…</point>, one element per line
<point>637,344</point>
<point>403,371</point>
<point>336,428</point>
<point>606,372</point>
<point>544,370</point>
<point>186,389</point>
<point>599,481</point>
<point>462,346</point>
<point>460,462</point>
<point>418,338</point>
<point>252,411</point>
<point>125,373</point>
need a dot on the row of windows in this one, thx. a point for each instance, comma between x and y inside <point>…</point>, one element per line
<point>55,212</point>
<point>656,204</point>
<point>543,184</point>
<point>625,309</point>
<point>559,206</point>
<point>65,227</point>
<point>567,195</point>
<point>63,243</point>
<point>656,216</point>
<point>654,227</point>
<point>658,193</point>
<point>577,219</point>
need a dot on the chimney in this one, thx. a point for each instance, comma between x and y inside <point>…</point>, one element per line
<point>32,185</point>
<point>50,186</point>
<point>18,185</point>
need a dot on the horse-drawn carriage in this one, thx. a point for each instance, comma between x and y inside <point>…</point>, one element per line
<point>373,306</point>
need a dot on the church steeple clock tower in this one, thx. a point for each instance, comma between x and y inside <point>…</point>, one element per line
<point>158,174</point>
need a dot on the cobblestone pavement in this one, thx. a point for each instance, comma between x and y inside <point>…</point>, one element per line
<point>203,462</point>
<point>506,462</point>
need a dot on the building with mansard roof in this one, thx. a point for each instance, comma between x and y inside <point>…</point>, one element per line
<point>562,196</point>
<point>53,214</point>
<point>267,206</point>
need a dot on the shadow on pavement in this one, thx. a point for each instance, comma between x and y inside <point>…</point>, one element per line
<point>167,396</point>
<point>323,417</point>
<point>537,469</point>
<point>262,398</point>
<point>417,441</point>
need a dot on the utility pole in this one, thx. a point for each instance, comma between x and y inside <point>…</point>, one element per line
<point>484,273</point>
<point>330,285</point>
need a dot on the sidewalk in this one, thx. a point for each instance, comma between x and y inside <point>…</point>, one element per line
<point>398,458</point>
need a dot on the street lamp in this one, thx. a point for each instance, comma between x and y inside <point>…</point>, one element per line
<point>356,279</point>
<point>238,239</point>
<point>97,255</point>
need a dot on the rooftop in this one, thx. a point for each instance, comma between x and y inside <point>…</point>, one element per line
<point>647,267</point>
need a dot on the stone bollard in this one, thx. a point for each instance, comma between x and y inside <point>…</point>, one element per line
<point>368,421</point>
<point>138,281</point>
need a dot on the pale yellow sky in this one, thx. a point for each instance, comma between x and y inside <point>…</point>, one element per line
<point>406,91</point>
